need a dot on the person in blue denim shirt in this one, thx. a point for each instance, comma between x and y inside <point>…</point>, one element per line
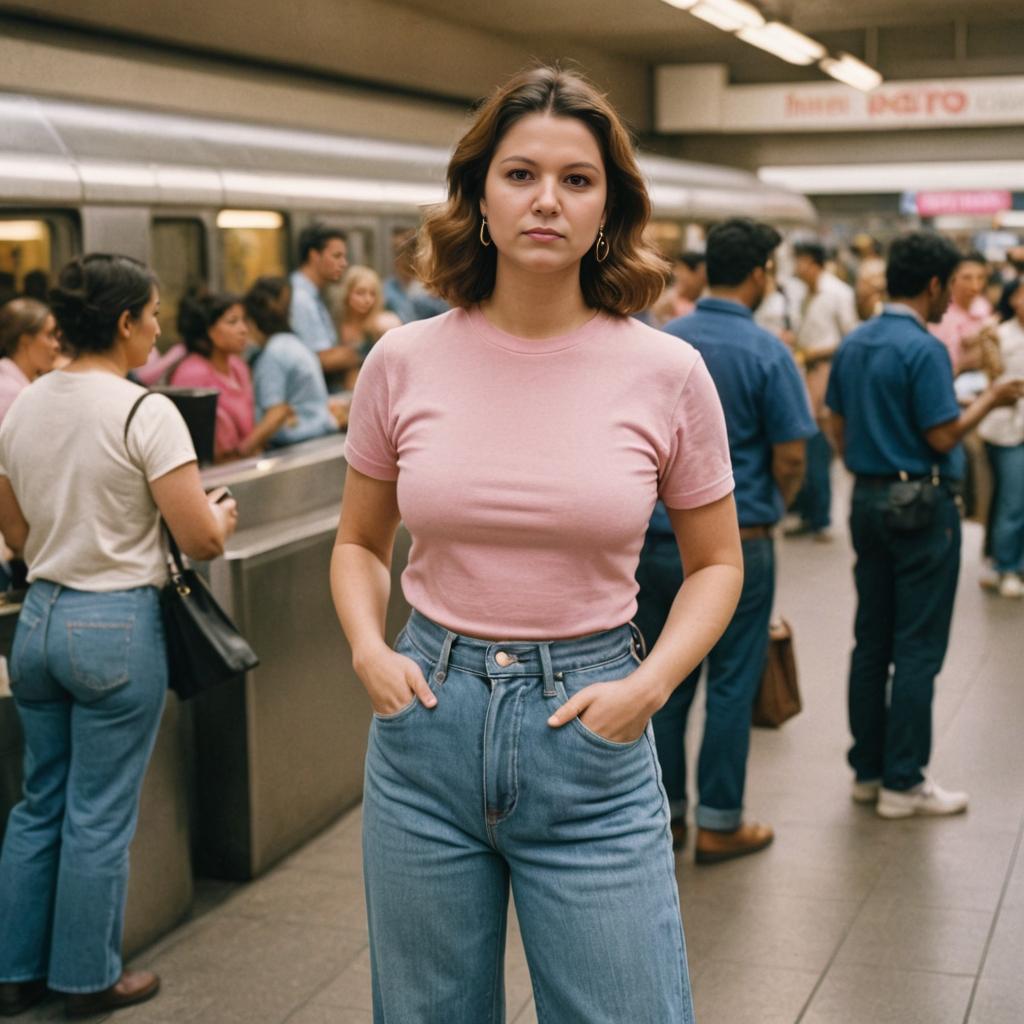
<point>898,426</point>
<point>81,495</point>
<point>768,419</point>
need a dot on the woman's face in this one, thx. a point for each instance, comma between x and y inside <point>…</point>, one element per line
<point>362,298</point>
<point>42,348</point>
<point>143,332</point>
<point>545,193</point>
<point>230,333</point>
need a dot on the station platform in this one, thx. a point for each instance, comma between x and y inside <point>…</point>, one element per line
<point>846,919</point>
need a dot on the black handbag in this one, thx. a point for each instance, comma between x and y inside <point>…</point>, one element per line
<point>204,647</point>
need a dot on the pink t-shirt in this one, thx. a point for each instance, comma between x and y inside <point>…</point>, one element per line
<point>957,324</point>
<point>235,407</point>
<point>12,383</point>
<point>528,470</point>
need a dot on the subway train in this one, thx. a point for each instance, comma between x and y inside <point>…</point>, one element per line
<point>220,201</point>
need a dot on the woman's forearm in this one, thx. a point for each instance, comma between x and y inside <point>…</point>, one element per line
<point>361,587</point>
<point>699,615</point>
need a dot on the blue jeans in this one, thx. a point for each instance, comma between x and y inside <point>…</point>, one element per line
<point>480,793</point>
<point>1007,540</point>
<point>906,585</point>
<point>89,674</point>
<point>814,502</point>
<point>734,669</point>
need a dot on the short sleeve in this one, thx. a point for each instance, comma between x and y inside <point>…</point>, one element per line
<point>158,439</point>
<point>369,445</point>
<point>698,470</point>
<point>932,396</point>
<point>306,322</point>
<point>270,380</point>
<point>787,410</point>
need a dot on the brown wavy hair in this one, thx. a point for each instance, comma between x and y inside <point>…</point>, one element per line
<point>451,260</point>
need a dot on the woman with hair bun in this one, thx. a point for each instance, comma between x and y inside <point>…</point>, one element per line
<point>215,333</point>
<point>523,438</point>
<point>29,347</point>
<point>82,493</point>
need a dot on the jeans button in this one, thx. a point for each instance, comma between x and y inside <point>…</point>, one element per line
<point>503,659</point>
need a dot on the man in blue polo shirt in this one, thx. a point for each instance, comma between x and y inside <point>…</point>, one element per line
<point>898,425</point>
<point>768,418</point>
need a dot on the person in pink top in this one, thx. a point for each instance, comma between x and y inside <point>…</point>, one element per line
<point>29,347</point>
<point>968,318</point>
<point>214,330</point>
<point>523,438</point>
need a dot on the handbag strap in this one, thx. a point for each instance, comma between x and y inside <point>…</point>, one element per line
<point>172,544</point>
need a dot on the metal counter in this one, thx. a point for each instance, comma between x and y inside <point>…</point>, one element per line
<point>160,884</point>
<point>280,753</point>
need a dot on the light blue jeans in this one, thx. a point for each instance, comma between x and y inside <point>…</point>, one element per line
<point>1008,514</point>
<point>89,675</point>
<point>479,793</point>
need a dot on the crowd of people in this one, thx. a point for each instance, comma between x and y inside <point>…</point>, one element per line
<point>526,731</point>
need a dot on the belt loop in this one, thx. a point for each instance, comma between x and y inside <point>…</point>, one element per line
<point>549,677</point>
<point>441,672</point>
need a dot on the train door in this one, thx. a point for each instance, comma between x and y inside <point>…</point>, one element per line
<point>178,258</point>
<point>34,245</point>
<point>253,243</point>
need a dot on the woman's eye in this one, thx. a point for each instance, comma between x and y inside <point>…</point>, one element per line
<point>519,174</point>
<point>578,180</point>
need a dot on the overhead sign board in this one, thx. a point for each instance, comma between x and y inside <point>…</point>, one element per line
<point>937,204</point>
<point>689,98</point>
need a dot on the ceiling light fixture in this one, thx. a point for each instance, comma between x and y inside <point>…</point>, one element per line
<point>846,68</point>
<point>728,15</point>
<point>784,42</point>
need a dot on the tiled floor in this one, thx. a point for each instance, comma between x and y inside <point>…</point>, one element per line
<point>847,919</point>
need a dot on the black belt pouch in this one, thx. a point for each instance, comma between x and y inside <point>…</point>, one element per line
<point>911,505</point>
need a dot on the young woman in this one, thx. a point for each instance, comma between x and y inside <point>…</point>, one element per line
<point>285,372</point>
<point>88,666</point>
<point>363,317</point>
<point>29,347</point>
<point>523,438</point>
<point>215,333</point>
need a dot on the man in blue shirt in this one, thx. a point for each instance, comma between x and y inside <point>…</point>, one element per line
<point>323,260</point>
<point>768,418</point>
<point>898,425</point>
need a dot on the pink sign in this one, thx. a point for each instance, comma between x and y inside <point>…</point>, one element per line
<point>935,204</point>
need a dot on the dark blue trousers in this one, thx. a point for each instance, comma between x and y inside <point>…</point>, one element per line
<point>906,585</point>
<point>814,502</point>
<point>734,669</point>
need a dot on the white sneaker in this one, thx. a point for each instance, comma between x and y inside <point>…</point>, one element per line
<point>928,798</point>
<point>1011,585</point>
<point>865,791</point>
<point>989,579</point>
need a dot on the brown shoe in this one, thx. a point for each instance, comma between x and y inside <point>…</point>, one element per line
<point>714,847</point>
<point>133,987</point>
<point>678,834</point>
<point>18,996</point>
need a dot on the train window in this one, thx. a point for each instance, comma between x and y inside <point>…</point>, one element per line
<point>25,246</point>
<point>253,244</point>
<point>179,261</point>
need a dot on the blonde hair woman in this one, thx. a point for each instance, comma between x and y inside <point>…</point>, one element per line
<point>362,318</point>
<point>523,438</point>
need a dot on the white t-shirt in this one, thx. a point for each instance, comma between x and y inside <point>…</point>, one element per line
<point>93,524</point>
<point>1005,426</point>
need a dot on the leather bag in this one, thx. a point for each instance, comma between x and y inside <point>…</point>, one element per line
<point>204,647</point>
<point>778,698</point>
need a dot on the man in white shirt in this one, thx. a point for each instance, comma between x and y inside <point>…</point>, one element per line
<point>827,314</point>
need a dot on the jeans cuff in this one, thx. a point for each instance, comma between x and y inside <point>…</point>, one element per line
<point>718,820</point>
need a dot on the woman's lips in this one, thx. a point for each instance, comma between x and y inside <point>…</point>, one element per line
<point>542,235</point>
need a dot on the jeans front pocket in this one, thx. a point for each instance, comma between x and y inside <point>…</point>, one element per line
<point>405,646</point>
<point>99,654</point>
<point>609,672</point>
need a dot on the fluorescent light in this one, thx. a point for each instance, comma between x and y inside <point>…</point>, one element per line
<point>784,42</point>
<point>847,68</point>
<point>871,179</point>
<point>728,15</point>
<point>22,230</point>
<point>683,5</point>
<point>267,220</point>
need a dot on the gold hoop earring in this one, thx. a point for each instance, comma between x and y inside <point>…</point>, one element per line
<point>483,227</point>
<point>601,248</point>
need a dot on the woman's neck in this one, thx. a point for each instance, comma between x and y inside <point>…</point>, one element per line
<point>537,306</point>
<point>104,362</point>
<point>22,361</point>
<point>221,361</point>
